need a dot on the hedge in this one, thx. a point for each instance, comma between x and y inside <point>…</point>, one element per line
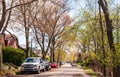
<point>13,55</point>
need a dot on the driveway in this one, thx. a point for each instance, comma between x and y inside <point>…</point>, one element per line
<point>64,71</point>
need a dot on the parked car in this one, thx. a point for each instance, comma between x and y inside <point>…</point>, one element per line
<point>62,63</point>
<point>73,64</point>
<point>54,65</point>
<point>32,64</point>
<point>47,65</point>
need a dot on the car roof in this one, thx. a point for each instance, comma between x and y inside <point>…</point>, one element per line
<point>33,57</point>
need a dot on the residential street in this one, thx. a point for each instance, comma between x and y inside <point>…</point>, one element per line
<point>65,71</point>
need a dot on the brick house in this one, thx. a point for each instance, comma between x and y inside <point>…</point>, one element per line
<point>9,40</point>
<point>2,41</point>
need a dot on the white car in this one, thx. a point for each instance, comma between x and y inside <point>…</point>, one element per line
<point>32,64</point>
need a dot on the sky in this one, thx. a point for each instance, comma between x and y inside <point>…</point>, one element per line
<point>75,7</point>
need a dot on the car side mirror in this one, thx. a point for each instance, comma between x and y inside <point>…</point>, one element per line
<point>40,61</point>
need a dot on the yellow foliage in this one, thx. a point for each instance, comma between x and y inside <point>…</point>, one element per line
<point>60,54</point>
<point>73,56</point>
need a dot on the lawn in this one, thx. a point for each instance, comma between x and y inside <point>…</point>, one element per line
<point>90,72</point>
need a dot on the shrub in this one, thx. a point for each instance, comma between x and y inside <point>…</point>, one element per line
<point>13,55</point>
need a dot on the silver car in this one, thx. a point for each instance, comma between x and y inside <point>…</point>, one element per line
<point>32,64</point>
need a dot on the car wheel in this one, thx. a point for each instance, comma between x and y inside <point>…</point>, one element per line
<point>38,71</point>
<point>43,70</point>
<point>47,69</point>
<point>50,68</point>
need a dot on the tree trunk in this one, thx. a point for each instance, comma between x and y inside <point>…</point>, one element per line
<point>2,22</point>
<point>51,55</point>
<point>53,46</point>
<point>27,43</point>
<point>43,54</point>
<point>53,50</point>
<point>103,4</point>
<point>102,38</point>
<point>58,57</point>
<point>118,29</point>
<point>1,58</point>
<point>43,57</point>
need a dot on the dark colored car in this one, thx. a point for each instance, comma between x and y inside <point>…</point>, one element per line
<point>47,65</point>
<point>54,65</point>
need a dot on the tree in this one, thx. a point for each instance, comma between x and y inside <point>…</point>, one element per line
<point>40,27</point>
<point>22,16</point>
<point>58,24</point>
<point>109,27</point>
<point>99,30</point>
<point>102,38</point>
<point>51,25</point>
<point>5,17</point>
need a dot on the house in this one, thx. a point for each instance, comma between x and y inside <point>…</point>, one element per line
<point>9,40</point>
<point>2,41</point>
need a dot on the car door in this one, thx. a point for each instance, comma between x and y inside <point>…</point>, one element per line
<point>41,64</point>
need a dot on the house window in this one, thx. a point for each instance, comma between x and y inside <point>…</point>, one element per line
<point>6,42</point>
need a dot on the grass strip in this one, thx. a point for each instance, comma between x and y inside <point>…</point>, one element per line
<point>90,72</point>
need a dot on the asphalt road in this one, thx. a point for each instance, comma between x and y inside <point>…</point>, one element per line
<point>64,71</point>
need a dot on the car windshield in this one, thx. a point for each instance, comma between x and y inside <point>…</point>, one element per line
<point>32,60</point>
